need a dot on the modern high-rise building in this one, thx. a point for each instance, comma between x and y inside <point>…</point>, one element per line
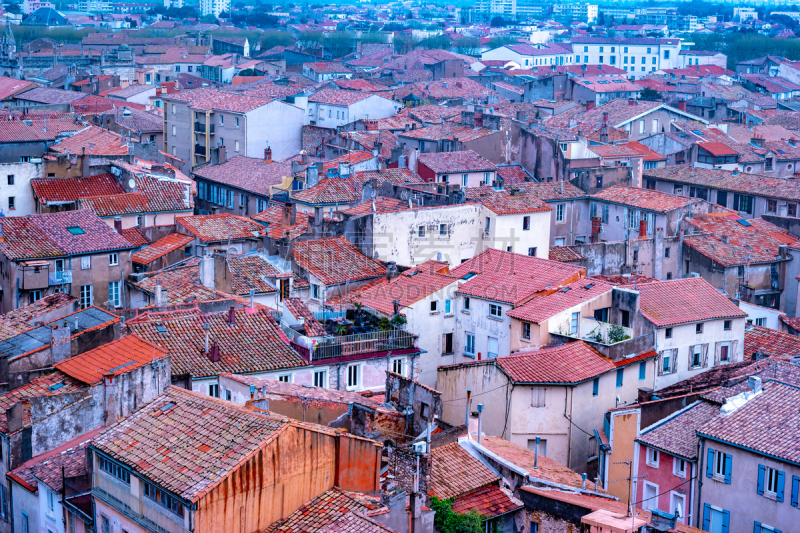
<point>214,7</point>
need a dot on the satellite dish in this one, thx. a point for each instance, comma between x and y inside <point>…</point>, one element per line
<point>132,183</point>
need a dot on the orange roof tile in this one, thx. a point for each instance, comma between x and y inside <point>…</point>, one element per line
<point>161,247</point>
<point>115,358</point>
<point>52,190</point>
<point>455,472</point>
<point>334,260</point>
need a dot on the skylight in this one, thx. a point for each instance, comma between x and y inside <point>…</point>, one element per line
<point>56,386</point>
<point>161,329</point>
<point>75,230</point>
<point>743,222</point>
<point>698,132</point>
<point>168,406</point>
<point>468,276</point>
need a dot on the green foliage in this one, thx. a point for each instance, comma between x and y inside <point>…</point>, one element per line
<point>209,19</point>
<point>595,335</point>
<point>497,42</point>
<point>470,46</point>
<point>650,94</point>
<point>739,46</point>
<point>14,8</point>
<point>440,42</point>
<point>247,72</point>
<point>498,22</point>
<point>398,321</point>
<point>617,334</point>
<point>446,521</point>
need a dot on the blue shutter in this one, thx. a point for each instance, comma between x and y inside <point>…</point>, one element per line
<point>757,527</point>
<point>781,479</point>
<point>795,487</point>
<point>706,517</point>
<point>728,468</point>
<point>761,479</point>
<point>726,520</point>
<point>710,463</point>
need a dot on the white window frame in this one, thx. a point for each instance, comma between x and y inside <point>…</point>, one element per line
<point>434,307</point>
<point>315,291</point>
<point>719,465</point>
<point>773,473</point>
<point>467,343</point>
<point>113,259</point>
<point>86,300</point>
<point>448,307</point>
<point>399,365</point>
<point>673,496</point>
<point>676,461</point>
<point>696,350</point>
<point>115,293</point>
<point>496,310</point>
<point>354,384</point>
<point>321,378</point>
<point>86,262</point>
<point>653,457</point>
<point>285,378</point>
<point>560,209</point>
<point>650,503</point>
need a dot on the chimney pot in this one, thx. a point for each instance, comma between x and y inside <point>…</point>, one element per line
<point>118,224</point>
<point>213,354</point>
<point>232,316</point>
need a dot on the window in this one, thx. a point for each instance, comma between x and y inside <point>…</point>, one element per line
<point>86,296</point>
<point>573,325</point>
<point>620,377</point>
<point>666,54</point>
<point>222,120</point>
<point>236,122</point>
<point>236,146</point>
<point>448,307</point>
<point>495,310</point>
<point>51,500</point>
<point>26,525</point>
<point>642,370</point>
<point>315,291</point>
<point>115,470</point>
<point>532,251</point>
<point>770,482</point>
<point>669,275</point>
<point>534,527</point>
<point>434,306</point>
<point>538,396</point>
<point>560,213</point>
<point>650,498</point>
<point>768,163</point>
<point>698,328</point>
<point>213,390</point>
<point>526,330</point>
<point>353,376</point>
<point>114,293</point>
<point>719,466</point>
<point>106,522</point>
<point>421,231</point>
<point>488,223</point>
<point>679,467</point>
<point>595,386</point>
<point>696,356</point>
<point>466,303</point>
<point>447,344</point>
<point>443,229</point>
<point>187,252</point>
<point>174,130</point>
<point>526,223</point>
<point>652,457</point>
<point>559,241</point>
<point>113,259</point>
<point>464,180</point>
<point>772,206</point>
<point>321,378</point>
<point>470,345</point>
<point>761,322</point>
<point>163,499</point>
<point>726,325</point>
<point>11,179</point>
<point>242,200</point>
<point>666,362</point>
<point>174,109</point>
<point>34,296</point>
<point>677,505</point>
<point>285,378</point>
<point>487,178</point>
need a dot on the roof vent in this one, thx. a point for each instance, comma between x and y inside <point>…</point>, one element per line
<point>213,353</point>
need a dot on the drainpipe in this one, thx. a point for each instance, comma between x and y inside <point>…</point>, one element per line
<point>466,417</point>
<point>536,454</point>
<point>701,456</point>
<point>208,136</point>
<point>480,421</point>
<point>339,377</point>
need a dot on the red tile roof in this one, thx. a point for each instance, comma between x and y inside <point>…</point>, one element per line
<point>489,501</point>
<point>753,244</point>
<point>334,260</point>
<point>161,247</point>
<point>297,308</point>
<point>221,227</point>
<point>717,149</point>
<point>565,254</point>
<point>35,129</point>
<point>513,174</point>
<point>248,173</point>
<point>115,358</point>
<point>70,189</point>
<point>23,318</point>
<point>327,508</point>
<point>187,442</point>
<point>254,272</point>
<point>455,472</point>
<point>11,86</point>
<point>93,140</point>
<point>567,364</point>
<point>206,98</point>
<point>338,97</point>
<point>681,301</point>
<point>254,344</point>
<point>770,342</point>
<point>640,198</point>
<point>48,385</point>
<point>454,162</point>
<point>540,308</point>
<point>510,200</point>
<point>52,467</point>
<point>678,433</point>
<point>348,190</point>
<point>509,277</point>
<point>327,67</point>
<point>135,237</point>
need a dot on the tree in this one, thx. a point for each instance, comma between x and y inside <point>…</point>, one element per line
<point>498,22</point>
<point>468,46</point>
<point>403,43</point>
<point>611,32</point>
<point>209,19</point>
<point>339,43</point>
<point>239,5</point>
<point>310,40</point>
<point>650,94</point>
<point>247,72</point>
<point>446,521</point>
<point>14,8</point>
<point>224,15</point>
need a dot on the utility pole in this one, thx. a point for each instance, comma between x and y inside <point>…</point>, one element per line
<point>631,511</point>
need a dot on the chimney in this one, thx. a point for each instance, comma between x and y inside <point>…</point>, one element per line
<point>344,170</point>
<point>589,105</point>
<point>480,421</point>
<point>783,251</point>
<point>303,156</point>
<point>583,481</point>
<point>605,118</point>
<point>754,384</point>
<point>207,272</point>
<point>469,401</point>
<point>642,229</point>
<point>60,346</point>
<point>1,230</point>
<point>312,176</point>
<point>267,155</point>
<point>536,454</point>
<point>682,105</point>
<point>206,327</point>
<point>391,271</point>
<point>631,102</point>
<point>111,399</point>
<point>159,294</point>
<point>758,140</point>
<point>288,215</point>
<point>213,354</point>
<point>232,316</point>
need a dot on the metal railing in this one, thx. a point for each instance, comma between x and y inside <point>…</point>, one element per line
<point>149,515</point>
<point>293,334</point>
<point>329,315</point>
<point>377,341</point>
<point>58,278</point>
<point>199,149</point>
<point>200,127</point>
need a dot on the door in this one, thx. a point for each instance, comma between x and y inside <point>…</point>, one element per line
<point>492,348</point>
<point>717,521</point>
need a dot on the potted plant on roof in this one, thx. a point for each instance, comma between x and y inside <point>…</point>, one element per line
<point>358,316</point>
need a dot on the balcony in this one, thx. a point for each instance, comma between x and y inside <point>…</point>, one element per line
<point>199,149</point>
<point>611,340</point>
<point>61,277</point>
<point>362,343</point>
<point>148,515</point>
<point>200,127</point>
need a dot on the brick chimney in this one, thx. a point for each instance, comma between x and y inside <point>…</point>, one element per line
<point>758,140</point>
<point>631,102</point>
<point>232,316</point>
<point>288,214</point>
<point>267,155</point>
<point>682,105</point>
<point>589,105</point>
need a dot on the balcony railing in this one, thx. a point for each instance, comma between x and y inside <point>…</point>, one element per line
<point>377,341</point>
<point>200,127</point>
<point>59,278</point>
<point>199,149</point>
<point>149,515</point>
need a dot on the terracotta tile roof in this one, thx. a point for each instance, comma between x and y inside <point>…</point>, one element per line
<point>45,95</point>
<point>138,121</point>
<point>206,98</point>
<point>135,237</point>
<point>774,412</point>
<point>221,227</point>
<point>352,157</point>
<point>509,277</point>
<point>565,254</point>
<point>514,174</point>
<point>338,97</point>
<point>568,364</point>
<point>48,385</point>
<point>273,218</point>
<point>11,86</point>
<point>766,369</point>
<point>47,467</point>
<point>92,140</point>
<point>253,272</point>
<point>727,180</point>
<point>273,92</point>
<point>39,236</point>
<point>447,130</point>
<point>681,301</point>
<point>677,433</point>
<point>33,129</point>
<point>619,112</point>
<point>115,358</point>
<point>547,469</point>
<point>324,510</point>
<point>271,386</point>
<point>161,247</point>
<point>327,67</point>
<point>607,84</point>
<point>647,199</point>
<point>248,173</point>
<point>717,149</point>
<point>299,310</point>
<point>455,472</point>
<point>508,201</point>
<point>334,260</point>
<point>770,342</point>
<point>540,308</point>
<point>367,140</point>
<point>70,189</point>
<point>431,114</point>
<point>187,442</point>
<point>555,190</point>
<point>23,318</point>
<point>489,501</point>
<point>254,344</point>
<point>746,244</point>
<point>381,204</point>
<point>354,522</point>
